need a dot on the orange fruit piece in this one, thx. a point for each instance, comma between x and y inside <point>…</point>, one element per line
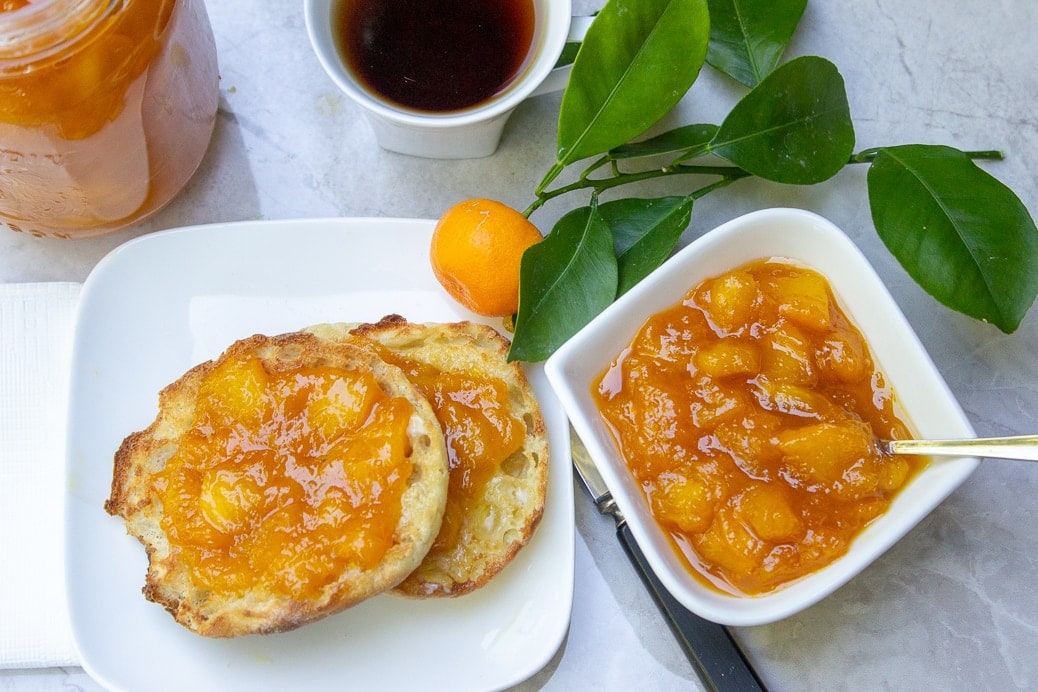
<point>475,253</point>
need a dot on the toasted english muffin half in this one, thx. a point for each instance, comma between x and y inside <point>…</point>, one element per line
<point>273,574</point>
<point>496,497</point>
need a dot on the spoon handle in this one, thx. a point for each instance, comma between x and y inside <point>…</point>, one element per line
<point>1021,447</point>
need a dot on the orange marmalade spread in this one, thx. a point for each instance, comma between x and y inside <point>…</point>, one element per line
<point>748,413</point>
<point>480,434</point>
<point>286,479</point>
<point>106,109</point>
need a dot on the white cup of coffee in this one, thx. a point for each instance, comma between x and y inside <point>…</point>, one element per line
<point>439,78</point>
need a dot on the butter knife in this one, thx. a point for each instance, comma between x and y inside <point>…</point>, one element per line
<point>709,646</point>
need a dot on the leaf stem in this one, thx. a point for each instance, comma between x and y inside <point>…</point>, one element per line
<point>728,174</point>
<point>551,175</point>
<point>737,174</point>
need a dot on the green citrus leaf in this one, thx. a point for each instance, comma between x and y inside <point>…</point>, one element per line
<point>645,233</point>
<point>638,59</point>
<point>962,235</point>
<point>748,37</point>
<point>794,127</point>
<point>564,282</point>
<point>569,53</point>
<point>689,139</point>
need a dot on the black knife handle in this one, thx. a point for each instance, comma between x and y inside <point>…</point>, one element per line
<point>709,646</point>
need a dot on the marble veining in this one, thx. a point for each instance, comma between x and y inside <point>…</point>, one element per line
<point>953,605</point>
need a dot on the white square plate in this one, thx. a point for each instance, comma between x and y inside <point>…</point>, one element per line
<point>162,303</point>
<point>931,409</point>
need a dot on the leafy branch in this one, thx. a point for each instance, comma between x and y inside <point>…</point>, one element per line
<point>962,235</point>
<point>727,175</point>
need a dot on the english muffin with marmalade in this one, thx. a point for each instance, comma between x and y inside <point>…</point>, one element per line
<point>496,442</point>
<point>288,479</point>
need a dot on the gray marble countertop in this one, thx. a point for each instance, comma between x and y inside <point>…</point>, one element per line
<point>951,606</point>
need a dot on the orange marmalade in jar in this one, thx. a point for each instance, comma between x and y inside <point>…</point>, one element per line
<point>106,109</point>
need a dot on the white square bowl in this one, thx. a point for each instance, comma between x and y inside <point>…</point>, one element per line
<point>929,407</point>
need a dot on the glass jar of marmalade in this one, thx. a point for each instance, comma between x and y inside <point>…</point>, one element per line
<point>106,110</point>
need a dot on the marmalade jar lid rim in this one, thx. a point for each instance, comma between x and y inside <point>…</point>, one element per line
<point>42,29</point>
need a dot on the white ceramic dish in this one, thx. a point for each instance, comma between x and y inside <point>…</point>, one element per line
<point>812,241</point>
<point>159,304</point>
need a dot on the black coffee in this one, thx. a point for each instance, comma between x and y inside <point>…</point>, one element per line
<point>435,55</point>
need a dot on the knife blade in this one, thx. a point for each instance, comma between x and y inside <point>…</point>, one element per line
<point>709,646</point>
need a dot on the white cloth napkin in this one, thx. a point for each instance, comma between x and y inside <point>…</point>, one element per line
<point>36,326</point>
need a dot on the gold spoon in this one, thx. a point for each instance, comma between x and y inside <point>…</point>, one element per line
<point>1020,447</point>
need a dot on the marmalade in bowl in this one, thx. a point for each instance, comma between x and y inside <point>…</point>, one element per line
<point>286,479</point>
<point>748,413</point>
